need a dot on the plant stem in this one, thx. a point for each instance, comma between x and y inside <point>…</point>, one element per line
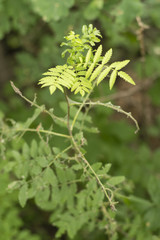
<point>81,106</point>
<point>79,151</point>
<point>95,175</point>
<point>54,117</point>
<point>114,107</point>
<point>42,131</point>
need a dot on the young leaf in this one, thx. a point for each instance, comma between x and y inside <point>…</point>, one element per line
<point>52,89</point>
<point>88,56</point>
<point>112,79</point>
<point>122,64</point>
<point>90,69</point>
<point>107,56</point>
<point>96,72</point>
<point>97,54</point>
<point>126,77</point>
<point>23,195</point>
<point>103,75</point>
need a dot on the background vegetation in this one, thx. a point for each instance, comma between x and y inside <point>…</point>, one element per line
<point>31,33</point>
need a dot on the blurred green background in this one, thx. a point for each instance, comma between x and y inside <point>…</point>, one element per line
<point>30,35</point>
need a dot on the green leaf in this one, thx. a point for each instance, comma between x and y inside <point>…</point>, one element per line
<point>34,148</point>
<point>58,77</point>
<point>122,64</point>
<point>105,169</point>
<point>107,56</point>
<point>25,151</point>
<point>103,75</point>
<point>52,9</point>
<point>96,166</point>
<point>116,180</point>
<point>49,177</point>
<point>154,189</point>
<point>97,54</point>
<point>90,70</point>
<point>42,161</point>
<point>52,89</point>
<point>138,203</point>
<point>23,195</point>
<point>88,56</point>
<point>35,170</point>
<point>112,79</point>
<point>126,77</point>
<point>61,174</point>
<point>42,198</point>
<point>96,72</point>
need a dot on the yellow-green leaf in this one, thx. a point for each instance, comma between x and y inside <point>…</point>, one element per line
<point>97,54</point>
<point>112,79</point>
<point>52,89</point>
<point>122,64</point>
<point>96,72</point>
<point>88,56</point>
<point>103,75</point>
<point>107,56</point>
<point>90,69</point>
<point>126,77</point>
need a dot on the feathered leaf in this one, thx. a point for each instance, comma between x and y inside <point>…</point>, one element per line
<point>112,79</point>
<point>81,85</point>
<point>126,77</point>
<point>96,72</point>
<point>97,54</point>
<point>107,56</point>
<point>103,75</point>
<point>58,77</point>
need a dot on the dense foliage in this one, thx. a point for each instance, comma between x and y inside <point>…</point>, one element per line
<point>66,202</point>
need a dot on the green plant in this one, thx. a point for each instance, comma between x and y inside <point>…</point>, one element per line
<point>63,181</point>
<point>82,70</point>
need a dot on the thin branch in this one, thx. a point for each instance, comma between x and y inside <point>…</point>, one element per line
<point>54,117</point>
<point>87,164</point>
<point>68,113</point>
<point>42,131</point>
<point>110,198</point>
<point>117,108</point>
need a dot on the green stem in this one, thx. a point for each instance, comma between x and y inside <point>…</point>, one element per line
<point>81,106</point>
<point>95,175</point>
<point>42,131</point>
<point>110,105</point>
<point>54,117</point>
<point>87,164</point>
